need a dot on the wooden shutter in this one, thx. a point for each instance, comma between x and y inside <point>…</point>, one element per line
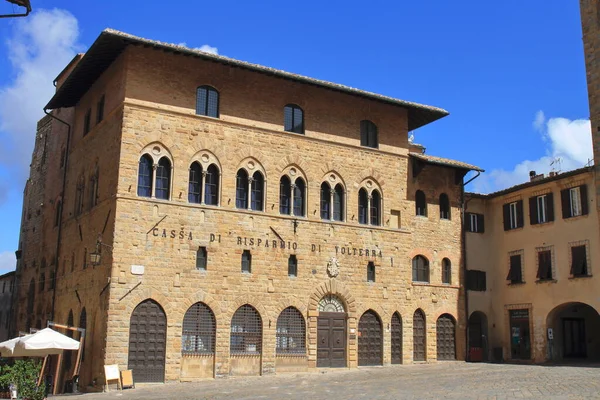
<point>578,260</point>
<point>520,214</point>
<point>480,226</point>
<point>565,203</point>
<point>550,207</point>
<point>533,211</point>
<point>506,213</point>
<point>584,199</point>
<point>515,266</point>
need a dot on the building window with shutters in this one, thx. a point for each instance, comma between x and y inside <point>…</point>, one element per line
<point>545,264</point>
<point>207,101</point>
<point>475,223</point>
<point>368,134</point>
<point>476,280</point>
<point>201,258</point>
<point>444,206</point>
<point>293,119</point>
<point>513,215</point>
<point>246,262</point>
<point>371,271</point>
<point>446,271</point>
<point>580,263</point>
<point>420,204</point>
<point>515,267</point>
<point>420,269</point>
<point>574,201</point>
<point>292,266</point>
<point>541,209</point>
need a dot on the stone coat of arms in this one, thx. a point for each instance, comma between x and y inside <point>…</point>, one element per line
<point>333,267</point>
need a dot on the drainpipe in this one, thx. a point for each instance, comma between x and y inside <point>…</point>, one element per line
<point>64,183</point>
<point>464,254</point>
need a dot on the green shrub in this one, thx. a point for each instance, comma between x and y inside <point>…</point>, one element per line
<point>24,374</point>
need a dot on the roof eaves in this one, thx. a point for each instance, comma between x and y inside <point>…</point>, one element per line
<point>445,162</point>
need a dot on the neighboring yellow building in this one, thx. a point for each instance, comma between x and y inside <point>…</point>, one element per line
<point>532,255</point>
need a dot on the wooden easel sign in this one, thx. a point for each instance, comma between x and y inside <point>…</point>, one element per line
<point>111,373</point>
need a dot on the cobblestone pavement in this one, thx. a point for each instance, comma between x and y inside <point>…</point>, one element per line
<point>453,380</point>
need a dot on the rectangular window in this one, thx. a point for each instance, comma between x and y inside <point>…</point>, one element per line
<point>515,272</point>
<point>475,223</point>
<point>100,110</point>
<point>87,121</point>
<point>574,201</point>
<point>292,266</point>
<point>513,215</point>
<point>476,280</point>
<point>371,272</point>
<point>201,259</point>
<point>579,264</point>
<point>575,198</point>
<point>544,265</point>
<point>247,262</point>
<point>541,209</point>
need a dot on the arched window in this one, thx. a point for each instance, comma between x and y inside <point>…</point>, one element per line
<point>257,191</point>
<point>285,188</point>
<point>299,196</point>
<point>195,183</point>
<point>444,206</point>
<point>446,271</point>
<point>420,269</point>
<point>145,176</point>
<point>241,189</point>
<point>82,324</point>
<point>338,203</point>
<point>163,179</point>
<point>292,266</point>
<point>325,201</point>
<point>363,206</point>
<point>199,330</point>
<point>375,208</point>
<point>211,186</point>
<point>246,331</point>
<point>368,134</point>
<point>291,332</point>
<point>420,203</point>
<point>207,101</point>
<point>293,119</point>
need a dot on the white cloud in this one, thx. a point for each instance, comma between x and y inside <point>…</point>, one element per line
<point>8,261</point>
<point>205,48</point>
<point>39,47</point>
<point>569,141</point>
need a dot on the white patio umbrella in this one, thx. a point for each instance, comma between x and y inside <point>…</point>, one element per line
<point>40,344</point>
<point>7,348</point>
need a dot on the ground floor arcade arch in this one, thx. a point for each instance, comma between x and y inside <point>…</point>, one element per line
<point>573,332</point>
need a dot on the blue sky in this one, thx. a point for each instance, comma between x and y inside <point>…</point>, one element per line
<point>511,73</point>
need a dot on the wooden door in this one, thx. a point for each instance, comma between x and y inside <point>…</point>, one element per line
<point>370,340</point>
<point>446,338</point>
<point>419,336</point>
<point>574,337</point>
<point>331,339</point>
<point>147,338</point>
<point>396,339</point>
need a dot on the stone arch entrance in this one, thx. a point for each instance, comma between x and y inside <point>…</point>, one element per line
<point>331,332</point>
<point>478,337</point>
<point>370,339</point>
<point>574,326</point>
<point>147,341</point>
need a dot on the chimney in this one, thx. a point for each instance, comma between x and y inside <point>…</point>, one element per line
<point>535,177</point>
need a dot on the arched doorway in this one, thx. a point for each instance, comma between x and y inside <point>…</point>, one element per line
<point>331,332</point>
<point>573,332</point>
<point>478,337</point>
<point>396,334</point>
<point>419,336</point>
<point>147,339</point>
<point>446,338</point>
<point>370,339</point>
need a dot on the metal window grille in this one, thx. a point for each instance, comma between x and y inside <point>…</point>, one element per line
<point>201,259</point>
<point>420,269</point>
<point>363,204</point>
<point>207,101</point>
<point>195,183</point>
<point>292,266</point>
<point>421,203</point>
<point>285,189</point>
<point>199,330</point>
<point>145,176</point>
<point>299,191</point>
<point>338,203</point>
<point>257,190</point>
<point>375,208</point>
<point>246,331</point>
<point>325,201</point>
<point>444,206</point>
<point>211,186</point>
<point>293,119</point>
<point>371,272</point>
<point>291,332</point>
<point>241,189</point>
<point>446,271</point>
<point>163,178</point>
<point>247,261</point>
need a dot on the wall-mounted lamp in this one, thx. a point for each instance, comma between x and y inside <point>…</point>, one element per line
<point>96,255</point>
